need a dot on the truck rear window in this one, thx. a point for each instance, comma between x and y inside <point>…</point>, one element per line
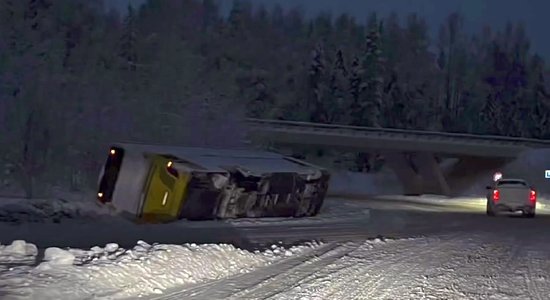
<point>511,182</point>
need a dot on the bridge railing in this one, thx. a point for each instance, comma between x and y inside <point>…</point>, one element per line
<point>297,126</point>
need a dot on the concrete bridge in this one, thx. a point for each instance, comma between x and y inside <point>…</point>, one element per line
<point>412,154</point>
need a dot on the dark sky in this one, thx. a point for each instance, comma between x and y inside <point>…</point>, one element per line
<point>534,13</point>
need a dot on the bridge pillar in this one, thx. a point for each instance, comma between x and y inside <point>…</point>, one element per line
<point>420,173</point>
<point>405,171</point>
<point>433,179</point>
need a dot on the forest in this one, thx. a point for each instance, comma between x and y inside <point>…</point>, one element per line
<point>75,77</point>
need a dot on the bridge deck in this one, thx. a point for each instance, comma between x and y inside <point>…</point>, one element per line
<point>368,138</point>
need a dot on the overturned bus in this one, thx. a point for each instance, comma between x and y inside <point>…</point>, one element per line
<point>163,183</point>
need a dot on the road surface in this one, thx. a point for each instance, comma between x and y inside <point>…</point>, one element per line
<point>340,220</point>
<point>450,252</point>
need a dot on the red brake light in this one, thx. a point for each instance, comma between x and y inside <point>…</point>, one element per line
<point>496,195</point>
<point>533,196</point>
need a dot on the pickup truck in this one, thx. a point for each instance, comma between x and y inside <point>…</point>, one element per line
<point>511,195</point>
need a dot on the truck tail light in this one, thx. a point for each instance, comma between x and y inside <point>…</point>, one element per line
<point>496,195</point>
<point>532,196</point>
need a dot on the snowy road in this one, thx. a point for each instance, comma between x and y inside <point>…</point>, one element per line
<point>433,249</point>
<point>340,220</point>
<point>450,266</point>
<point>455,255</point>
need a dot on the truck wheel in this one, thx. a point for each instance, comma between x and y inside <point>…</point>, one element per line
<point>490,211</point>
<point>529,215</point>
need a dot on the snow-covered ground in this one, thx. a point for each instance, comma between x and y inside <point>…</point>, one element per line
<point>28,272</point>
<point>53,210</point>
<point>476,265</point>
<point>111,272</point>
<point>474,260</point>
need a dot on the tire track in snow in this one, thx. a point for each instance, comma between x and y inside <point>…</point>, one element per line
<point>528,276</point>
<point>506,268</point>
<point>448,267</point>
<point>227,287</point>
<point>495,269</point>
<point>415,271</point>
<point>536,275</point>
<point>344,275</point>
<point>292,277</point>
<point>470,258</point>
<point>381,280</point>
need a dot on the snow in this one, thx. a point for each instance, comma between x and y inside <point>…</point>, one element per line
<point>447,267</point>
<point>57,256</point>
<point>457,265</point>
<point>17,251</point>
<point>53,210</point>
<point>374,269</point>
<point>112,272</point>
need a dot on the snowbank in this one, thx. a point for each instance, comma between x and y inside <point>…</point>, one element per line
<point>113,272</point>
<point>17,252</point>
<point>19,210</point>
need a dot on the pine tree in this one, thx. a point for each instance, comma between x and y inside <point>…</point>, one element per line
<point>539,101</point>
<point>492,110</point>
<point>239,18</point>
<point>371,96</point>
<point>317,85</point>
<point>451,61</point>
<point>520,83</point>
<point>128,41</point>
<point>31,78</point>
<point>507,82</point>
<point>392,43</point>
<point>338,97</point>
<point>356,87</point>
<point>491,115</point>
<point>321,28</point>
<point>395,108</point>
